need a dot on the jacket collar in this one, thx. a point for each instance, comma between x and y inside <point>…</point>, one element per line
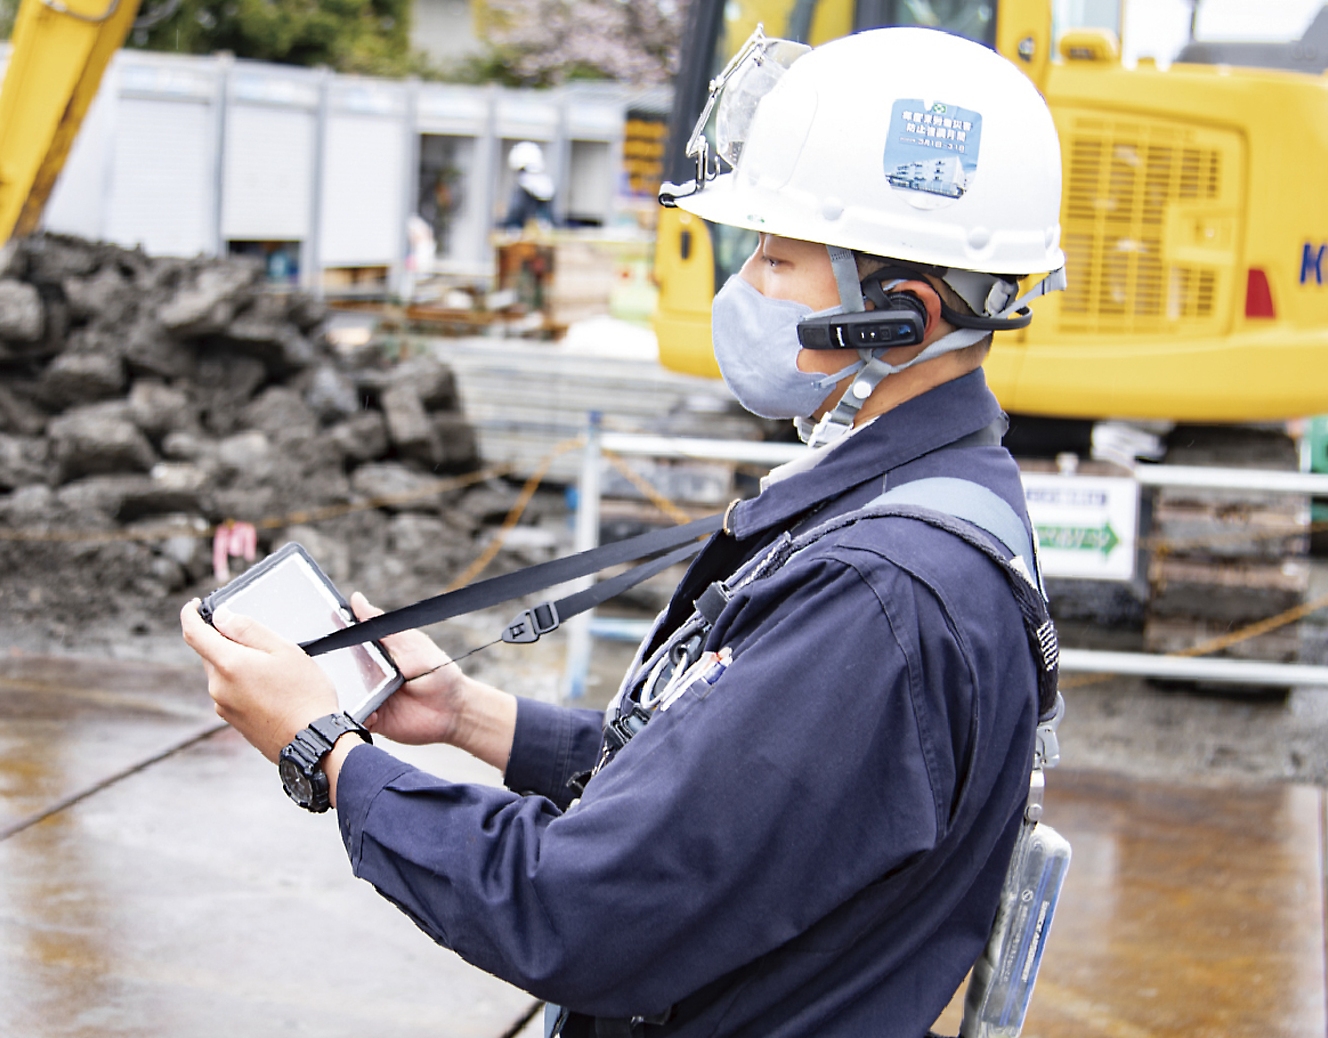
<point>916,427</point>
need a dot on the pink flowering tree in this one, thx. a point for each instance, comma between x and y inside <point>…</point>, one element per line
<point>542,42</point>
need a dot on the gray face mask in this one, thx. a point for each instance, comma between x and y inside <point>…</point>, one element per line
<point>756,345</point>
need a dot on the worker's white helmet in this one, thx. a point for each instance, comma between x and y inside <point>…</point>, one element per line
<point>899,142</point>
<point>527,156</point>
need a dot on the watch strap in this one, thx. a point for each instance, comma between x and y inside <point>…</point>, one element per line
<point>306,752</point>
<point>334,726</point>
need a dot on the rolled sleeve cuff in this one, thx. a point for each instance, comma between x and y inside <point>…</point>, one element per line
<point>365,773</point>
<point>550,745</point>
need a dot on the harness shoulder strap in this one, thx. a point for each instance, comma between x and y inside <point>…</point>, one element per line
<point>966,500</point>
<point>981,519</point>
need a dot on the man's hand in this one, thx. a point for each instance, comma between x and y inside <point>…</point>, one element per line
<point>427,708</point>
<point>439,703</point>
<point>264,686</point>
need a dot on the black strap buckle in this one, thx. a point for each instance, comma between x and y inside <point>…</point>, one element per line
<point>530,624</point>
<point>620,732</point>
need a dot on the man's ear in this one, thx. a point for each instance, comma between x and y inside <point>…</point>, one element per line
<point>927,295</point>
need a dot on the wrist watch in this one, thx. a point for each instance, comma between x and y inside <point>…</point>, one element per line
<point>301,762</point>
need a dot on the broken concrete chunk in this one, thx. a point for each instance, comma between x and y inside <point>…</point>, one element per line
<point>207,304</point>
<point>22,461</point>
<point>279,412</point>
<point>264,330</point>
<point>106,297</point>
<point>102,496</point>
<point>489,502</point>
<point>88,443</point>
<point>459,451</point>
<point>177,487</point>
<point>306,311</point>
<point>250,503</point>
<point>54,257</point>
<point>395,486</point>
<point>21,316</point>
<point>225,384</point>
<point>331,395</point>
<point>81,378</point>
<point>408,425</point>
<point>178,477</point>
<point>417,536</point>
<point>148,349</point>
<point>362,437</point>
<point>189,548</point>
<point>158,409</point>
<point>28,506</point>
<point>432,381</point>
<point>18,414</point>
<point>189,446</point>
<point>247,452</point>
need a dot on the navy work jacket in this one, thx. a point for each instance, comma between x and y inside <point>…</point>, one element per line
<point>815,846</point>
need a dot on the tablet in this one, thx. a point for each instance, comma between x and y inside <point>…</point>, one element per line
<point>289,594</point>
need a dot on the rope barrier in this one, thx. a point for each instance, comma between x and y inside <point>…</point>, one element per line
<point>514,514</point>
<point>1224,641</point>
<point>651,494</point>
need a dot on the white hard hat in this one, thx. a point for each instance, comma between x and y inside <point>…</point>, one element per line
<point>900,142</point>
<point>526,155</point>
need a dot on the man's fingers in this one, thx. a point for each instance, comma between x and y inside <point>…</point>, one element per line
<point>247,631</point>
<point>201,637</point>
<point>362,608</point>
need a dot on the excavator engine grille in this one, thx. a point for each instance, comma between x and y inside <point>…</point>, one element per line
<point>1145,227</point>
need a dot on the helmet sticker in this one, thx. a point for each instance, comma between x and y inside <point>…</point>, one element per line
<point>931,151</point>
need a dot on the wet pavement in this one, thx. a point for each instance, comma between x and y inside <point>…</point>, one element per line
<point>1187,911</point>
<point>189,898</point>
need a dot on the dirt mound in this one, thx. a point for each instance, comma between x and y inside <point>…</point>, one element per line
<point>145,400</point>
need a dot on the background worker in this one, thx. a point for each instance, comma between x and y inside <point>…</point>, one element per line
<point>796,816</point>
<point>532,189</point>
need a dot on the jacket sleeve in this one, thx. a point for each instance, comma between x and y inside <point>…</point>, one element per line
<point>732,823</point>
<point>551,745</point>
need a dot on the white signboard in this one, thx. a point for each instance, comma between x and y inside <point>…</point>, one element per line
<point>1086,525</point>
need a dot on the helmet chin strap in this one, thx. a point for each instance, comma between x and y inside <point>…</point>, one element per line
<point>840,418</point>
<point>845,266</point>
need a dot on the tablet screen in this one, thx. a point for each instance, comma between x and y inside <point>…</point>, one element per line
<point>291,599</point>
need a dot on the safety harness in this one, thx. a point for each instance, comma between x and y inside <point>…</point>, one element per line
<point>965,509</point>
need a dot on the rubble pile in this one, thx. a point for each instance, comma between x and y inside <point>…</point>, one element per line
<point>163,395</point>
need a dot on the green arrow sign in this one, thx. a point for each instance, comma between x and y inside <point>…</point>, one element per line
<point>1078,538</point>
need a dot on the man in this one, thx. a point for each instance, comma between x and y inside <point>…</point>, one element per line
<point>532,189</point>
<point>798,815</point>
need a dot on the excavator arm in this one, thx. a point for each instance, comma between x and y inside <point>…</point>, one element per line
<point>60,50</point>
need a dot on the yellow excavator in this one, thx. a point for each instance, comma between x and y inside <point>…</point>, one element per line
<point>1194,227</point>
<point>1196,243</point>
<point>60,48</point>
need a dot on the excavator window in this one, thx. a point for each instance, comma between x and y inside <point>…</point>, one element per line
<point>975,19</point>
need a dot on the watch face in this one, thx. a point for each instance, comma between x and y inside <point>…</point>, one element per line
<point>296,782</point>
